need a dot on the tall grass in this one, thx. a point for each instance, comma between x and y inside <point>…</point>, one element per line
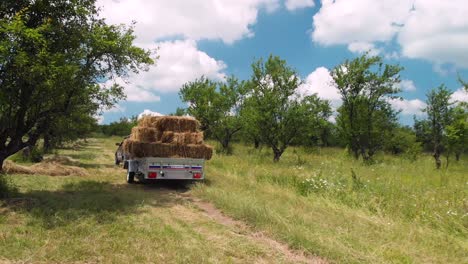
<point>325,203</point>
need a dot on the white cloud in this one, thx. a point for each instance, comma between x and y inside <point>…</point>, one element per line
<point>408,107</point>
<point>433,30</point>
<point>437,31</point>
<point>292,5</point>
<point>134,91</point>
<point>460,95</point>
<point>148,112</point>
<point>321,83</point>
<point>226,20</point>
<point>99,119</point>
<point>348,21</point>
<point>406,85</point>
<point>362,47</point>
<point>116,109</point>
<point>180,61</point>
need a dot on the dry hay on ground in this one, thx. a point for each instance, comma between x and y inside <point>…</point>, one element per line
<point>156,149</point>
<point>64,160</point>
<point>44,168</point>
<point>145,134</point>
<point>182,138</point>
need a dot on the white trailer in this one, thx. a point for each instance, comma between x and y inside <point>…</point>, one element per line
<point>154,168</point>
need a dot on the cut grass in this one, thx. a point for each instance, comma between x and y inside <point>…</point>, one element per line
<point>393,211</point>
<point>99,218</point>
<point>320,202</point>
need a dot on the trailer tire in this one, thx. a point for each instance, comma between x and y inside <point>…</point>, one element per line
<point>130,177</point>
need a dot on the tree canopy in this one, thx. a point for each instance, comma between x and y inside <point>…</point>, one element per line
<point>54,56</point>
<point>366,84</point>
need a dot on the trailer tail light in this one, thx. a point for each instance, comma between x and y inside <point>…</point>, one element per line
<point>197,175</point>
<point>152,175</point>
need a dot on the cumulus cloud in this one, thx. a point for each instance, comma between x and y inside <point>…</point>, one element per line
<point>134,91</point>
<point>179,61</point>
<point>433,30</point>
<point>225,20</point>
<point>362,47</point>
<point>408,107</point>
<point>348,21</point>
<point>406,85</point>
<point>99,119</point>
<point>437,31</point>
<point>460,95</point>
<point>292,5</point>
<point>321,83</point>
<point>148,112</point>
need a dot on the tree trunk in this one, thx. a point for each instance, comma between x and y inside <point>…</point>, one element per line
<point>277,155</point>
<point>2,159</point>
<point>457,156</point>
<point>47,144</point>
<point>436,156</point>
<point>256,143</point>
<point>447,159</point>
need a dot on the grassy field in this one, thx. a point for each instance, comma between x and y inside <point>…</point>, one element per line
<point>319,202</point>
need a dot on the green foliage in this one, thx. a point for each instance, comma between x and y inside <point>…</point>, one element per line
<point>457,132</point>
<point>422,129</point>
<point>53,57</point>
<point>439,115</point>
<point>365,117</point>
<point>123,127</point>
<point>273,107</point>
<point>179,112</point>
<point>216,105</point>
<point>31,154</point>
<point>402,139</point>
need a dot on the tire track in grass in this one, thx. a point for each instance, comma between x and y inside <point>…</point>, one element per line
<point>243,229</point>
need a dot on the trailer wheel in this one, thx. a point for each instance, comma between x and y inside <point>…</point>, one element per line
<point>130,177</point>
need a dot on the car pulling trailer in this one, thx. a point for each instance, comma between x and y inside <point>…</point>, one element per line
<point>153,168</point>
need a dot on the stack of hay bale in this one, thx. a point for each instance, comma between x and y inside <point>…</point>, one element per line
<point>167,137</point>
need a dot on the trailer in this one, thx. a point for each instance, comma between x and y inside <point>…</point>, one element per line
<point>154,169</point>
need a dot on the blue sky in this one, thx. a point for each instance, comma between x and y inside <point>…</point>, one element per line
<point>218,38</point>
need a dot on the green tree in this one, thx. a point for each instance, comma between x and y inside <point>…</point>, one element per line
<point>123,127</point>
<point>274,107</point>
<point>216,105</point>
<point>365,117</point>
<point>422,129</point>
<point>457,132</point>
<point>53,56</point>
<point>439,115</point>
<point>76,125</point>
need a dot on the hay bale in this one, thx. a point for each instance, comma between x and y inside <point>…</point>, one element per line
<point>182,138</point>
<point>176,124</point>
<point>194,138</point>
<point>167,137</point>
<point>144,134</point>
<point>200,151</point>
<point>147,121</point>
<point>166,150</point>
